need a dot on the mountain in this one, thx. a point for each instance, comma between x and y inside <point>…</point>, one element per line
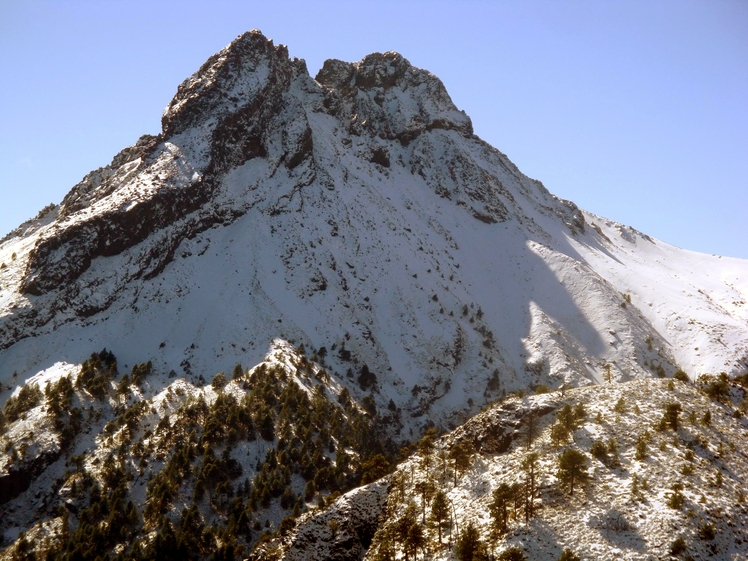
<point>343,244</point>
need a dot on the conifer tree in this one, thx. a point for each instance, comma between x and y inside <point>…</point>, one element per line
<point>440,513</point>
<point>672,410</point>
<point>530,466</point>
<point>469,546</point>
<point>462,454</point>
<point>512,554</point>
<point>572,467</point>
<point>499,507</point>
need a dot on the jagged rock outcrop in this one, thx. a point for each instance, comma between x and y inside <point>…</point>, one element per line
<point>343,531</point>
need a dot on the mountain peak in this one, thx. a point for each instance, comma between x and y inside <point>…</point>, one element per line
<point>231,78</point>
<point>395,99</point>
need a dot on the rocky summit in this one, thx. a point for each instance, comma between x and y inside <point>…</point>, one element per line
<point>275,317</point>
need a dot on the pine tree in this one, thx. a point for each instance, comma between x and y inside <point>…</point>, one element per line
<point>671,415</point>
<point>572,467</point>
<point>469,546</point>
<point>530,466</point>
<point>426,489</point>
<point>499,507</point>
<point>415,540</point>
<point>462,455</point>
<point>440,513</point>
<point>641,448</point>
<point>532,428</point>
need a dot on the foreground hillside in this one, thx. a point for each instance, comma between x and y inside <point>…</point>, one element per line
<point>94,460</point>
<point>254,463</point>
<point>662,475</point>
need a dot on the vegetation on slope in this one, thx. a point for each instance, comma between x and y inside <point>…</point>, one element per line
<point>196,473</point>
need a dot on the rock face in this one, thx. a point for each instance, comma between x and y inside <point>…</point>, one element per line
<point>356,211</point>
<point>342,531</point>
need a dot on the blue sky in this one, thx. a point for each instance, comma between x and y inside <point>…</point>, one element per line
<point>635,110</point>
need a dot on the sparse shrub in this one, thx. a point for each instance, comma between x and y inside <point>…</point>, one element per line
<point>569,555</point>
<point>706,420</point>
<point>580,415</point>
<point>600,451</point>
<point>511,554</point>
<point>682,376</point>
<point>717,388</point>
<point>707,531</point>
<point>620,406</point>
<point>678,546</point>
<point>718,479</point>
<point>636,493</point>
<point>675,498</point>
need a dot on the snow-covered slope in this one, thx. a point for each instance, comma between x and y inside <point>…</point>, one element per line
<point>356,212</point>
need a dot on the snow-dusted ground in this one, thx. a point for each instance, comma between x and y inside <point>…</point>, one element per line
<point>606,519</point>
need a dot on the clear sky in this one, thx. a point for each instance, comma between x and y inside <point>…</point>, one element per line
<point>635,110</point>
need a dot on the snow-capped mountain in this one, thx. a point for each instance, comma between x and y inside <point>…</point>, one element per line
<point>402,273</point>
<point>357,211</point>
